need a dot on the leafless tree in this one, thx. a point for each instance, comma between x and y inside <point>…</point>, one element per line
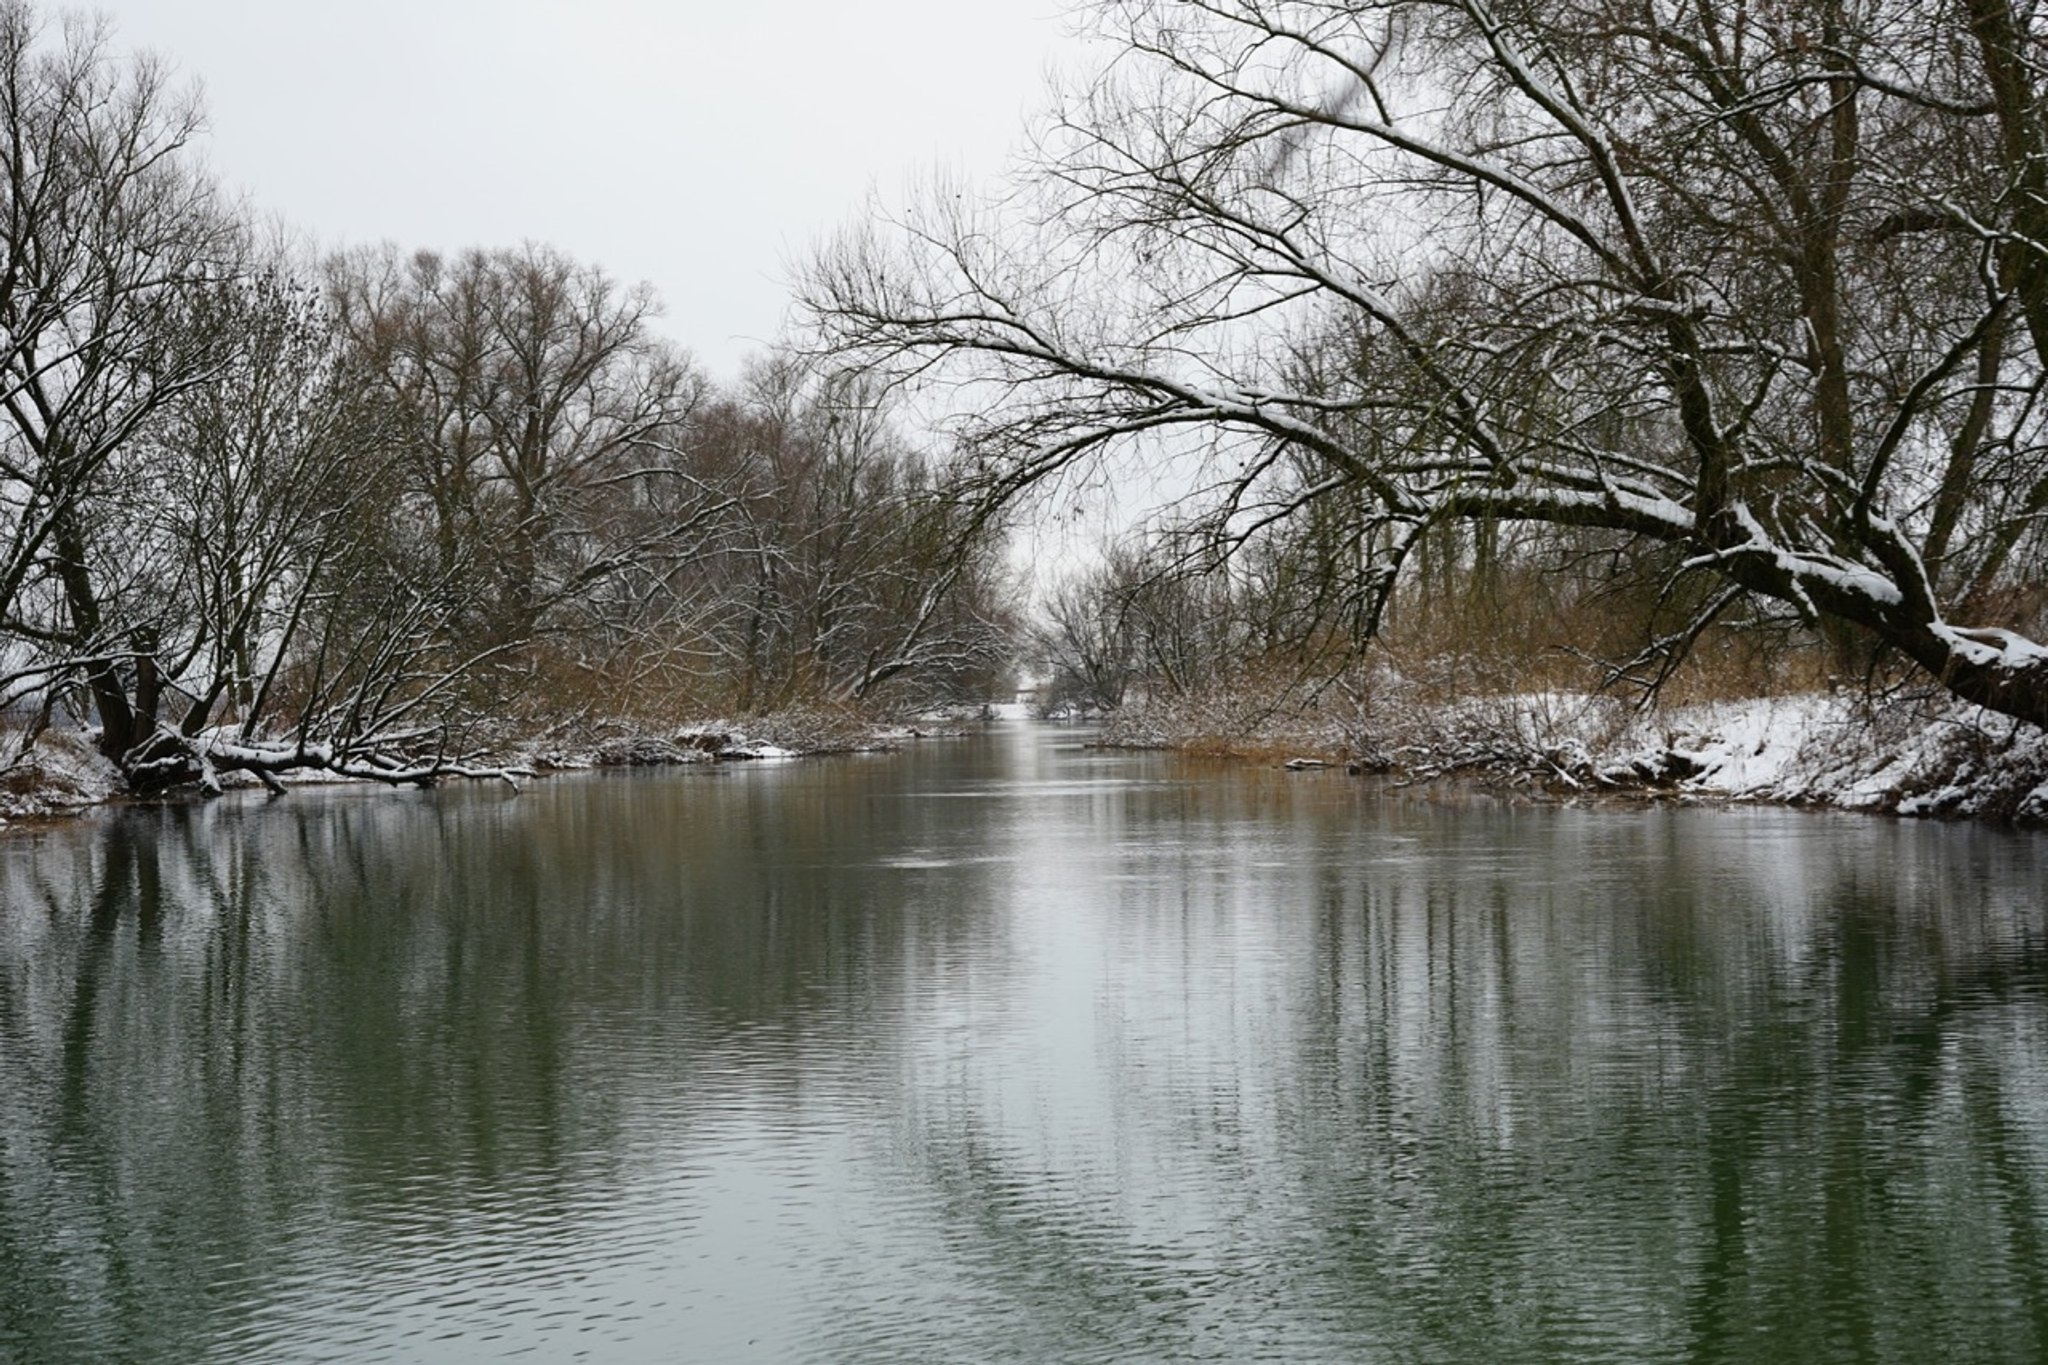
<point>291,619</point>
<point>535,398</point>
<point>108,238</point>
<point>1765,285</point>
<point>851,570</point>
<point>184,464</point>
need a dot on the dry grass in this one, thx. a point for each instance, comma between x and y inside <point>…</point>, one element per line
<point>1532,630</point>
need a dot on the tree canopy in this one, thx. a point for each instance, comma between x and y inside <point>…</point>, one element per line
<point>1761,286</point>
<point>384,513</point>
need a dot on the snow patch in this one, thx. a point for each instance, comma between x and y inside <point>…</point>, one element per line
<point>63,773</point>
<point>1921,755</point>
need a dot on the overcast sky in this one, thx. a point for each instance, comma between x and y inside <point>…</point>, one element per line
<point>699,146</point>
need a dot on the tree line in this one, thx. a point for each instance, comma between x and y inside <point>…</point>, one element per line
<point>1742,309</point>
<point>374,512</point>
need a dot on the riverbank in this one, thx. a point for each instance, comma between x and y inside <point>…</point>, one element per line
<point>1909,754</point>
<point>63,775</point>
<point>1916,755</point>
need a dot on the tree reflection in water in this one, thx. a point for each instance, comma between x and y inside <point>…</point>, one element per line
<point>1007,1051</point>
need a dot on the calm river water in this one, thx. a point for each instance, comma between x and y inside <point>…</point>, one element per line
<point>1006,1050</point>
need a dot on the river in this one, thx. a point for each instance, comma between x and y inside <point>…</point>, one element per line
<point>1005,1049</point>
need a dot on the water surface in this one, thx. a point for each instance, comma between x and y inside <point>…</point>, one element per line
<point>1006,1050</point>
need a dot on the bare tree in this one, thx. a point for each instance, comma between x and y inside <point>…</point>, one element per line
<point>1765,286</point>
<point>852,569</point>
<point>290,620</point>
<point>108,240</point>
<point>533,392</point>
<point>184,463</point>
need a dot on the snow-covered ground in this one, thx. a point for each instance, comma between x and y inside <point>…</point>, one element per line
<point>63,773</point>
<point>790,734</point>
<point>1907,755</point>
<point>1929,758</point>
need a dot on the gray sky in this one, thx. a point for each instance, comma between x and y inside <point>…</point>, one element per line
<point>697,145</point>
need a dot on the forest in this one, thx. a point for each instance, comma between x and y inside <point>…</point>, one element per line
<point>1620,344</point>
<point>375,512</point>
<point>1625,348</point>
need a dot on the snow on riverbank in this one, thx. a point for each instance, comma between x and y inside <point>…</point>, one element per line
<point>1930,758</point>
<point>785,735</point>
<point>1921,755</point>
<point>64,774</point>
<point>1906,755</point>
<point>799,732</point>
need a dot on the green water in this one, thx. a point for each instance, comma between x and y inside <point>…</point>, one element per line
<point>1004,1050</point>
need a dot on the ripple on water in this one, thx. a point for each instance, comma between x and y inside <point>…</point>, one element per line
<point>1103,1064</point>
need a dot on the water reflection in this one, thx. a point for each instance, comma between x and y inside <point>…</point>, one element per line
<point>1013,1051</point>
